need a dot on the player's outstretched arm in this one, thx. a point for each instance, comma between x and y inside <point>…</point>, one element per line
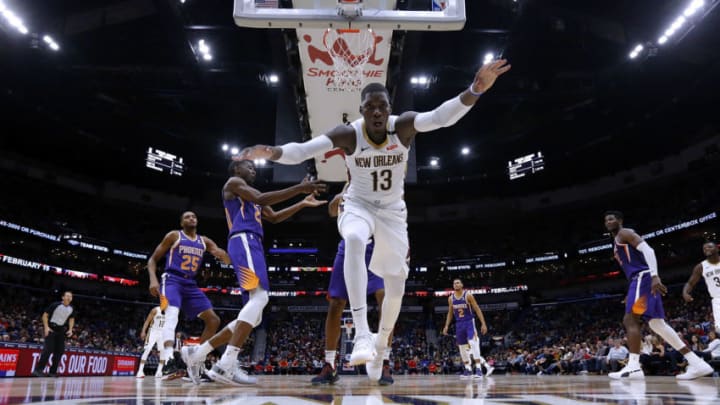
<point>160,250</point>
<point>238,187</point>
<point>342,136</point>
<point>275,217</point>
<point>694,279</point>
<point>216,251</point>
<point>448,113</point>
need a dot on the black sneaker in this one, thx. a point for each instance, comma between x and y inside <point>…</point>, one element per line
<point>386,378</point>
<point>38,373</point>
<point>54,375</point>
<point>328,375</point>
<point>171,371</point>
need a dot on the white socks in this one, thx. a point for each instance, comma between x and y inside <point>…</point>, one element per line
<point>202,351</point>
<point>634,360</point>
<point>330,357</point>
<point>228,358</point>
<point>392,303</point>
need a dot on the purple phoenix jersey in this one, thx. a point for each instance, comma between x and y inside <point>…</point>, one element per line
<point>464,325</point>
<point>640,300</point>
<point>243,216</point>
<point>179,288</point>
<point>338,288</point>
<point>630,259</point>
<point>244,219</point>
<point>186,255</point>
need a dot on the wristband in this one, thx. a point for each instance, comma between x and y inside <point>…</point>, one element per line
<point>470,89</point>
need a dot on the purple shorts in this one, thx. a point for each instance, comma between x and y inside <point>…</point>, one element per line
<point>337,288</point>
<point>248,259</point>
<point>640,299</point>
<point>464,332</point>
<point>185,294</point>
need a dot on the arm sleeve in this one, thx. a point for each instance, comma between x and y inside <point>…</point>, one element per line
<point>650,259</point>
<point>448,113</point>
<point>294,153</point>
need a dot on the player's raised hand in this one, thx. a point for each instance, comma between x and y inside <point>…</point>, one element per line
<point>488,73</point>
<point>309,186</point>
<point>255,152</point>
<point>658,286</point>
<point>311,201</point>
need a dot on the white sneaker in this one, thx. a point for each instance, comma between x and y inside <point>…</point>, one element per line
<point>694,371</point>
<point>628,373</point>
<point>140,376</point>
<point>187,353</point>
<point>374,367</point>
<point>489,370</point>
<point>232,376</point>
<point>363,350</point>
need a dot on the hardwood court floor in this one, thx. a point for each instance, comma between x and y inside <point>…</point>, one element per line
<point>356,390</point>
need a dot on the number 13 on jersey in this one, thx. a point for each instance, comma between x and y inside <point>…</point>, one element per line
<point>382,180</point>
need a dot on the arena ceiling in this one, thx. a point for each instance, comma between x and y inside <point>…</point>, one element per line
<point>127,76</point>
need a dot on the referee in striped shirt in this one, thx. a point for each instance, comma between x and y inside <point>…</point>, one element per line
<point>58,321</point>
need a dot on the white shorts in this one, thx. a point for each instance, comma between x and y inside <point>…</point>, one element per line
<point>154,338</point>
<point>388,225</point>
<point>716,313</point>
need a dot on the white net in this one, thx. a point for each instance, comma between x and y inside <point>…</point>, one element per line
<point>350,50</point>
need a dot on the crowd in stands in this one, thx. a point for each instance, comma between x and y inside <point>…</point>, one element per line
<point>532,340</point>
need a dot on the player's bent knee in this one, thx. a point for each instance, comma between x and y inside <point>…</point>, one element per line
<point>251,313</point>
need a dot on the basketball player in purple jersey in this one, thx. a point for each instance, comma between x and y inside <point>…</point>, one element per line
<point>462,306</point>
<point>644,301</point>
<point>179,290</point>
<point>245,208</point>
<point>376,148</point>
<point>337,297</point>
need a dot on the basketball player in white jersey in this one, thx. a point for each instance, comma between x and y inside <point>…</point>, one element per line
<point>376,153</point>
<point>156,322</point>
<point>710,269</point>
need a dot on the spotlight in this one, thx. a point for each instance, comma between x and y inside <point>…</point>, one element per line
<point>489,57</point>
<point>465,150</point>
<point>234,151</point>
<point>413,80</point>
<point>274,78</point>
<point>225,147</point>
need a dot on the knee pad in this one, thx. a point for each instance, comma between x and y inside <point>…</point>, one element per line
<point>252,311</point>
<point>171,320</point>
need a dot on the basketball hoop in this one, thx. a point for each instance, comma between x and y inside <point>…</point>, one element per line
<point>350,49</point>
